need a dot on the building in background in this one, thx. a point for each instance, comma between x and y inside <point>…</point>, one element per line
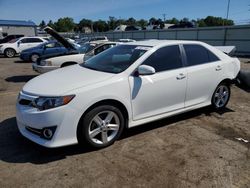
<point>16,27</point>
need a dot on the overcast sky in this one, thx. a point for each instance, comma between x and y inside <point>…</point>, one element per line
<point>37,10</point>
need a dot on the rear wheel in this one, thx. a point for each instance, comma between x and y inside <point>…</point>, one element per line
<point>101,126</point>
<point>221,96</point>
<point>9,52</point>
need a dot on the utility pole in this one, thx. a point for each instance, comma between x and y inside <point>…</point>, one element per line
<point>228,8</point>
<point>164,17</point>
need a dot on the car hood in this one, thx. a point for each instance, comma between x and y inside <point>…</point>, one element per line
<point>59,38</point>
<point>61,81</point>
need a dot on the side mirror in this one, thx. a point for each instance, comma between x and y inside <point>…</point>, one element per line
<point>18,43</point>
<point>145,70</point>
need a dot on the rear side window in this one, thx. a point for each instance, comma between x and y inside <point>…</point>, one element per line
<point>32,40</point>
<point>166,58</point>
<point>197,54</point>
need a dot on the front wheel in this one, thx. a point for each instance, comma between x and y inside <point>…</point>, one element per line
<point>101,126</point>
<point>221,96</point>
<point>9,52</point>
<point>34,57</point>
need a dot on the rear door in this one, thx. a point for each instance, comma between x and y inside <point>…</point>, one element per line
<point>29,43</point>
<point>204,71</point>
<point>163,91</point>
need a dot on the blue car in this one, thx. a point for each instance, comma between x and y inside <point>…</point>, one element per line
<point>49,48</point>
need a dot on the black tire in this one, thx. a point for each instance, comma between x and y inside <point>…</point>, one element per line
<point>224,99</point>
<point>83,131</point>
<point>244,78</point>
<point>9,52</point>
<point>34,57</point>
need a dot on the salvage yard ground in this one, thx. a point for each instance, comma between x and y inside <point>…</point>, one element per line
<point>195,149</point>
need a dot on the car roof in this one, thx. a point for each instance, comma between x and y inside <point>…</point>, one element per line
<point>154,43</point>
<point>103,42</point>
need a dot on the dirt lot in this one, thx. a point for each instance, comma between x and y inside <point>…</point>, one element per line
<point>196,149</point>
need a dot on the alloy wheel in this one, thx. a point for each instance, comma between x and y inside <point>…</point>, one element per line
<point>221,96</point>
<point>104,127</point>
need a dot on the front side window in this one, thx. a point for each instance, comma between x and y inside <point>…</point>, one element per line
<point>87,47</point>
<point>51,45</point>
<point>166,58</point>
<point>197,55</point>
<point>116,59</point>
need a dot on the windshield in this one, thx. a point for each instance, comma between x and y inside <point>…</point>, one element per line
<point>87,47</point>
<point>116,59</point>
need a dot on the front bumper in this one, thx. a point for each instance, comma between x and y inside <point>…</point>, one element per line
<point>29,119</point>
<point>24,57</point>
<point>43,69</point>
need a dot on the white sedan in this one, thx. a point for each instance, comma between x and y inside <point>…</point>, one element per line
<point>125,86</point>
<point>15,46</point>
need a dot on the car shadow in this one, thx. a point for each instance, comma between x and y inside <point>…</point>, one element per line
<point>20,61</point>
<point>14,148</point>
<point>17,79</point>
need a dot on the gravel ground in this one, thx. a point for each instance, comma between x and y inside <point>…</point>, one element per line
<point>195,149</point>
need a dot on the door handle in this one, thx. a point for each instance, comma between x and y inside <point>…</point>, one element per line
<point>218,68</point>
<point>180,76</point>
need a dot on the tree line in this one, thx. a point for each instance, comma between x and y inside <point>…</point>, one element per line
<point>67,24</point>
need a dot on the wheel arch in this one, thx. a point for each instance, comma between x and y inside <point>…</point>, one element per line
<point>113,102</point>
<point>10,48</point>
<point>228,81</point>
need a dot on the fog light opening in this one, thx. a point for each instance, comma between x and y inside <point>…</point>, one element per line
<point>47,133</point>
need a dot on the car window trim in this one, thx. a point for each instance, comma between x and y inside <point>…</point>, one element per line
<point>185,56</point>
<point>182,62</point>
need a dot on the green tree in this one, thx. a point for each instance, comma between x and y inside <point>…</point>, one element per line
<point>131,21</point>
<point>51,24</point>
<point>142,23</point>
<point>42,24</point>
<point>65,24</point>
<point>173,21</point>
<point>152,21</point>
<point>85,23</point>
<point>100,26</point>
<point>112,23</point>
<point>217,21</point>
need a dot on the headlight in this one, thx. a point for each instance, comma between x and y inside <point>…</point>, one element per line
<point>45,103</point>
<point>45,63</point>
<point>1,46</point>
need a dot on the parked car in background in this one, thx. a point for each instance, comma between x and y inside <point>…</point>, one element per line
<point>85,52</point>
<point>15,46</point>
<point>47,48</point>
<point>120,28</point>
<point>126,28</point>
<point>126,40</point>
<point>9,38</point>
<point>132,28</point>
<point>182,25</point>
<point>125,86</point>
<point>92,39</point>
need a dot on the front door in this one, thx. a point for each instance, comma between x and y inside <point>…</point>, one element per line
<point>163,91</point>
